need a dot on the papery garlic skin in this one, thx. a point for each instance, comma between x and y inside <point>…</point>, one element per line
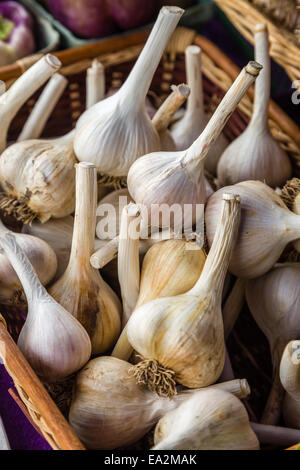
<point>267,227</point>
<point>52,340</point>
<point>209,420</point>
<point>40,175</point>
<point>255,154</point>
<point>185,333</point>
<point>115,132</point>
<point>43,259</point>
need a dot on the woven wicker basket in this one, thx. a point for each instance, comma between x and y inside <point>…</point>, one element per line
<point>118,57</point>
<point>284,46</point>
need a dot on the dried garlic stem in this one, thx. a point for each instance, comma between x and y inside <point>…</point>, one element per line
<point>105,254</point>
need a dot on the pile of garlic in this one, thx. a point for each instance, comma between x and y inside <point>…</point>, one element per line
<point>155,355</point>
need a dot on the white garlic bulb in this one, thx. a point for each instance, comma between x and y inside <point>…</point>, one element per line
<point>182,337</point>
<point>116,131</point>
<point>177,178</point>
<point>52,340</point>
<point>267,227</point>
<point>38,177</point>
<point>186,130</point>
<point>255,154</point>
<point>210,419</point>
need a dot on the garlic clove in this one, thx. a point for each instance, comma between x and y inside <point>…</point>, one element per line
<point>209,420</point>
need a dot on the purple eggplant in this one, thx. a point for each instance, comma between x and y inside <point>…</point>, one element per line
<point>16,32</point>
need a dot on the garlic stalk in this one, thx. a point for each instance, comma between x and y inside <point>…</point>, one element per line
<point>107,397</point>
<point>164,114</point>
<point>255,154</point>
<point>290,379</point>
<point>170,267</point>
<point>208,420</point>
<point>273,300</point>
<point>113,133</point>
<point>267,227</point>
<point>43,108</point>
<point>41,256</point>
<point>52,340</point>
<point>233,306</point>
<point>178,177</point>
<point>81,289</point>
<point>191,348</point>
<point>14,98</point>
<point>38,178</point>
<point>128,259</point>
<point>187,129</point>
<point>95,83</point>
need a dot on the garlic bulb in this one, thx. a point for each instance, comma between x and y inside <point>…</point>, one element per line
<point>116,131</point>
<point>187,129</point>
<point>208,420</point>
<point>178,177</point>
<point>95,83</point>
<point>170,267</point>
<point>128,259</point>
<point>273,300</point>
<point>290,379</point>
<point>110,410</point>
<point>182,336</point>
<point>13,99</point>
<point>43,259</point>
<point>255,154</point>
<point>163,116</point>
<point>267,227</point>
<point>52,340</point>
<point>43,108</point>
<point>81,289</point>
<point>38,177</point>
<point>58,234</point>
